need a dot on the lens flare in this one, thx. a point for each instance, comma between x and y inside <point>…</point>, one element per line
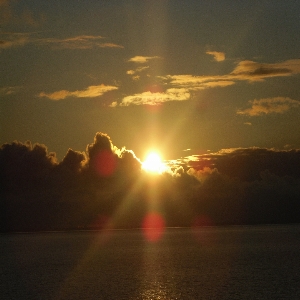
<point>106,163</point>
<point>153,226</point>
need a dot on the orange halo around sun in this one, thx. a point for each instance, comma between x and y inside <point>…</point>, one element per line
<point>153,163</point>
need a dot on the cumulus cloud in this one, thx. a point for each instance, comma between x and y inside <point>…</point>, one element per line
<point>142,59</point>
<point>87,189</point>
<point>90,92</point>
<point>277,105</point>
<point>73,161</point>
<point>218,56</point>
<point>149,98</point>
<point>234,162</point>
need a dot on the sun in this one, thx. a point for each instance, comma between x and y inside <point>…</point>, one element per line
<point>153,163</point>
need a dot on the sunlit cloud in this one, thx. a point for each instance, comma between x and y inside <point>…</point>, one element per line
<point>137,70</point>
<point>143,59</point>
<point>91,92</point>
<point>218,56</point>
<point>244,71</point>
<point>113,104</point>
<point>253,71</point>
<point>266,106</point>
<point>213,84</point>
<point>149,98</point>
<point>198,82</point>
<point>110,45</point>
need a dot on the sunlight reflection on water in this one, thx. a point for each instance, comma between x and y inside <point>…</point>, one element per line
<point>156,284</point>
<point>225,263</point>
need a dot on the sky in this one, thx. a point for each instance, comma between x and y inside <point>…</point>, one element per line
<point>186,78</point>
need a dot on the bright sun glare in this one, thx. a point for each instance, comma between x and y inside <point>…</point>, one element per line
<point>153,163</point>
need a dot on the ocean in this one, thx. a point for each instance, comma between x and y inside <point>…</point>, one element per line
<point>233,262</point>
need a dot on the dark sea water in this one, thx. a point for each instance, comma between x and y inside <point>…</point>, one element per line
<point>261,262</point>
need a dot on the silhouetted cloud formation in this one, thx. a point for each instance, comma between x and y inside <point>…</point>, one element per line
<point>247,163</point>
<point>105,187</point>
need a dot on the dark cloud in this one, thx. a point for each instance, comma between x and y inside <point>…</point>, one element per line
<point>101,158</point>
<point>232,186</point>
<point>247,163</point>
<point>73,160</point>
<point>23,165</point>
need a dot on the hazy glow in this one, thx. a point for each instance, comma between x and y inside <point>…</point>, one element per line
<point>153,163</point>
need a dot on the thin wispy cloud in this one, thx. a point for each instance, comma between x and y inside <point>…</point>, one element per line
<point>136,73</point>
<point>90,92</point>
<point>78,42</point>
<point>277,105</point>
<point>213,84</point>
<point>149,98</point>
<point>137,70</point>
<point>143,59</point>
<point>218,56</point>
<point>245,71</point>
<point>9,90</point>
<point>8,40</point>
<point>253,71</point>
<point>110,45</point>
<point>198,82</point>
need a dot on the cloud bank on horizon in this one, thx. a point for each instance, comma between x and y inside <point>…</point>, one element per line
<point>105,188</point>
